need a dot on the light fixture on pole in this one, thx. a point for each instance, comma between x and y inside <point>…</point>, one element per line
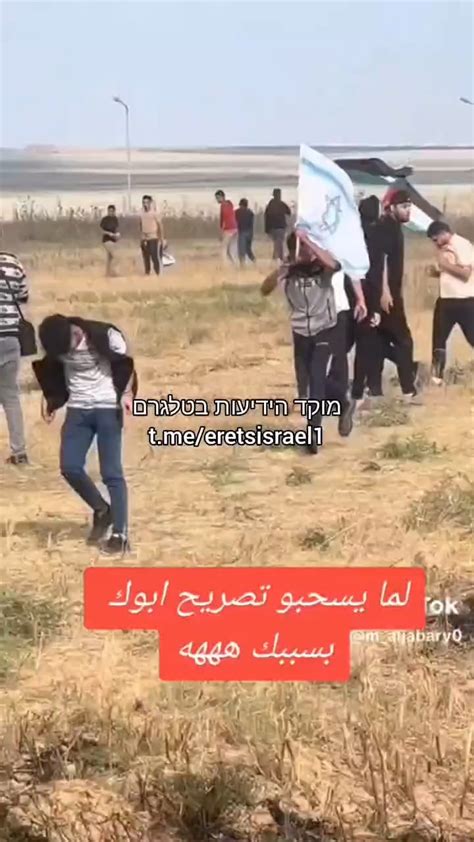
<point>127,142</point>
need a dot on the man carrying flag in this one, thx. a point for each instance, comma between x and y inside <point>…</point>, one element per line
<point>328,217</point>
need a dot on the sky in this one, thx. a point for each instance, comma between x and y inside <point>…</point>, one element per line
<point>236,73</point>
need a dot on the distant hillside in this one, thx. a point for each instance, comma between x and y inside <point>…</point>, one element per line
<point>41,149</point>
<point>50,149</point>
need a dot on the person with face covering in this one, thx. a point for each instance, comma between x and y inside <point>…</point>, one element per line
<point>455,304</point>
<point>306,280</point>
<point>387,266</point>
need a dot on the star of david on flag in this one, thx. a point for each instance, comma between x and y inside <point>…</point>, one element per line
<point>328,215</point>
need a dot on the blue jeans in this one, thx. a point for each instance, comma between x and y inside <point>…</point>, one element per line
<point>244,246</point>
<point>78,432</point>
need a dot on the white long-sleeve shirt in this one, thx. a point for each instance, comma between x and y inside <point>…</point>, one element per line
<point>340,296</point>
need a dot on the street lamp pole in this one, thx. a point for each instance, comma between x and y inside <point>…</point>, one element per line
<point>127,142</point>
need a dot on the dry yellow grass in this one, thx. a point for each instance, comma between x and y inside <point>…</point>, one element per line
<point>92,746</point>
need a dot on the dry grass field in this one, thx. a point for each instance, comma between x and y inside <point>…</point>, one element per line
<point>93,748</point>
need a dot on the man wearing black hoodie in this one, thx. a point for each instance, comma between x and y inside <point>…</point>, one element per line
<point>87,368</point>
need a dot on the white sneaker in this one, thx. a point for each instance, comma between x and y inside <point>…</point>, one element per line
<point>412,400</point>
<point>437,381</point>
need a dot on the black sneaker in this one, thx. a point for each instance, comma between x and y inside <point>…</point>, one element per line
<point>346,419</point>
<point>100,524</point>
<point>116,545</point>
<point>17,459</point>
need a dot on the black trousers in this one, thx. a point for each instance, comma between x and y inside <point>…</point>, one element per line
<point>449,312</point>
<point>338,376</point>
<point>394,330</point>
<point>368,362</point>
<point>369,358</point>
<point>152,252</point>
<point>312,355</point>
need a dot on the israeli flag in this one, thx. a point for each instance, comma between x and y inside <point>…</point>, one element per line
<point>328,214</point>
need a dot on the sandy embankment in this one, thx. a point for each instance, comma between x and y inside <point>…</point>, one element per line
<point>186,180</point>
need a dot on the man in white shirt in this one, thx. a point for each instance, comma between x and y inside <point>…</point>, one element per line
<point>455,305</point>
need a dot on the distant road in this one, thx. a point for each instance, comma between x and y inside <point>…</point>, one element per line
<point>188,178</point>
<point>104,170</point>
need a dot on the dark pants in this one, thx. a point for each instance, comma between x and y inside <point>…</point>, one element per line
<point>372,349</point>
<point>244,245</point>
<point>449,312</point>
<point>151,251</point>
<point>312,355</point>
<point>277,236</point>
<point>394,329</point>
<point>78,432</point>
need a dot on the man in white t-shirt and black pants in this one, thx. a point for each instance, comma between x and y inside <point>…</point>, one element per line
<point>455,305</point>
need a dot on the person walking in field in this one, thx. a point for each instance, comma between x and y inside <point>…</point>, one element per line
<point>387,267</point>
<point>277,218</point>
<point>87,368</point>
<point>455,304</point>
<point>307,281</point>
<point>245,218</point>
<point>109,226</point>
<point>13,288</point>
<point>151,236</point>
<point>228,227</point>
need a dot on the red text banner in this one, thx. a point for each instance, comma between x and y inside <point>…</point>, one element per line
<point>255,624</point>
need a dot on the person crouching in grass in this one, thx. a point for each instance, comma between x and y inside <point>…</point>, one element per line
<point>87,368</point>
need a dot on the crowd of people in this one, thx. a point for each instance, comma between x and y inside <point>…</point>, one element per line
<point>330,314</point>
<point>237,227</point>
<point>151,238</point>
<point>87,368</point>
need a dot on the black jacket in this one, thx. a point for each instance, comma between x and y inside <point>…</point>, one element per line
<point>49,371</point>
<point>276,215</point>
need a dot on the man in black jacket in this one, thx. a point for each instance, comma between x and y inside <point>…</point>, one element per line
<point>277,217</point>
<point>87,368</point>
